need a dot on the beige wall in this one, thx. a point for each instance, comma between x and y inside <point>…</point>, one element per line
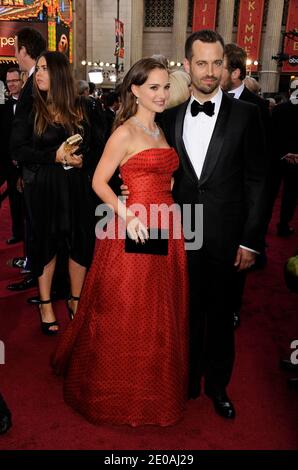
<point>79,37</point>
<point>157,41</point>
<point>100,29</point>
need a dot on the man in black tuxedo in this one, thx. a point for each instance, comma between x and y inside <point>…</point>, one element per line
<point>12,173</point>
<point>234,72</point>
<point>223,165</point>
<point>29,44</point>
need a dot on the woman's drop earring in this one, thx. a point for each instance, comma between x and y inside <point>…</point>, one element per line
<point>137,100</point>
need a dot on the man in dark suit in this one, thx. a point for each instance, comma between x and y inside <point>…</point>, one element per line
<point>29,44</point>
<point>223,165</point>
<point>12,173</point>
<point>234,72</point>
<point>285,144</point>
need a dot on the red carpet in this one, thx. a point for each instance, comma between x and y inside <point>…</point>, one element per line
<point>267,411</point>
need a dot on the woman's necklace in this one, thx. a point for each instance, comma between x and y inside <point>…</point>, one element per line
<point>155,134</point>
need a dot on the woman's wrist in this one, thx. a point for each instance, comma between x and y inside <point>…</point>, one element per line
<point>129,216</point>
<point>61,158</point>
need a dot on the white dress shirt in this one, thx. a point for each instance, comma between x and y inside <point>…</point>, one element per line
<point>197,132</point>
<point>31,71</point>
<point>15,100</point>
<point>237,91</point>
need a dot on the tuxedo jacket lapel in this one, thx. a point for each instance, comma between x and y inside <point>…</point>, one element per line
<point>26,92</point>
<point>182,152</point>
<point>217,139</point>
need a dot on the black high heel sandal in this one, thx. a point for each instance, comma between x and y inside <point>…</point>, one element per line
<point>70,310</point>
<point>45,326</point>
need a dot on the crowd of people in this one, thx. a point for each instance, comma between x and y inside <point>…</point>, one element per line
<point>200,158</point>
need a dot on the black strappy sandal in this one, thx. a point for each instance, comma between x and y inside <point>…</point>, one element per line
<point>70,310</point>
<point>45,326</point>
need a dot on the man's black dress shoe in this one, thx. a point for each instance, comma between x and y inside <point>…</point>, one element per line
<point>33,300</point>
<point>286,364</point>
<point>222,404</point>
<point>18,262</point>
<point>13,240</point>
<point>5,416</point>
<point>236,320</point>
<point>24,284</point>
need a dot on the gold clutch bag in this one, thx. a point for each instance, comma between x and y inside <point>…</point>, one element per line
<point>72,141</point>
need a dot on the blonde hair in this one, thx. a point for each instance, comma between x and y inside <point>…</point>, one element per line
<point>252,84</point>
<point>180,88</point>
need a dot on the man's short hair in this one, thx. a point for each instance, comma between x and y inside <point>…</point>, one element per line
<point>14,69</point>
<point>204,35</point>
<point>82,85</point>
<point>112,98</point>
<point>236,59</point>
<point>92,87</point>
<point>33,42</point>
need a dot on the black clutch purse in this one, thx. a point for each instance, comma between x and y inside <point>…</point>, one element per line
<point>156,244</point>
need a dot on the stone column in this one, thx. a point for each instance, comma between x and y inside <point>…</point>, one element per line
<point>137,27</point>
<point>225,19</point>
<point>179,30</point>
<point>79,39</point>
<point>269,75</point>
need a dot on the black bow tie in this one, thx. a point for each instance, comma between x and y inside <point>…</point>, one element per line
<point>207,108</point>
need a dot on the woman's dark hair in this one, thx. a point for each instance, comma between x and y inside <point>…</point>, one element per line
<point>58,104</point>
<point>137,75</point>
<point>204,35</point>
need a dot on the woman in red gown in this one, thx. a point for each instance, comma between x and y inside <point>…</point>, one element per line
<point>125,354</point>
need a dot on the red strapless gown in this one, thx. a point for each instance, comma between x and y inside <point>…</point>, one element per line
<point>125,354</point>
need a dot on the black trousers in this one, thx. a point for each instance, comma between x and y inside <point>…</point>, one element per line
<point>211,322</point>
<point>16,203</point>
<point>238,291</point>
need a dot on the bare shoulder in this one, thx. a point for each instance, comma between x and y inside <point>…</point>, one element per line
<point>122,135</point>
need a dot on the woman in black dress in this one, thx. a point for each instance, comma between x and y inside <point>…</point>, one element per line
<point>59,196</point>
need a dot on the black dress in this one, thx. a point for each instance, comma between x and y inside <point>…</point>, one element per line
<point>59,201</point>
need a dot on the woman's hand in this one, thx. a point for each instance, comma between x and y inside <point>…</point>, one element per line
<point>136,230</point>
<point>68,157</point>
